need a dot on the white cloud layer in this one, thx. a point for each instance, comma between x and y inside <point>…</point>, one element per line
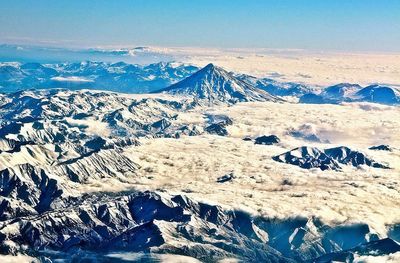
<point>71,79</point>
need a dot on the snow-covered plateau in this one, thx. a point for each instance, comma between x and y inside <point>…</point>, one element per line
<point>206,165</point>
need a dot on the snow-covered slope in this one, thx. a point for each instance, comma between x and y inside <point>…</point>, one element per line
<point>342,90</point>
<point>213,84</point>
<point>311,157</point>
<point>308,157</point>
<point>379,94</point>
<point>346,92</point>
<point>121,77</point>
<point>277,88</point>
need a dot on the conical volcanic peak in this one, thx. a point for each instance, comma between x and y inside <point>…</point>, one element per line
<point>214,84</point>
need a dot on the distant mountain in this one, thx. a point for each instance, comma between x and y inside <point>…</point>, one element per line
<point>213,83</point>
<point>379,94</point>
<point>346,92</point>
<point>382,147</point>
<point>384,246</point>
<point>345,155</point>
<point>341,91</point>
<point>328,159</point>
<point>120,77</point>
<point>307,158</point>
<point>276,88</point>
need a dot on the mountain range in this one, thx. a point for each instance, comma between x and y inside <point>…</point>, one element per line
<point>58,147</point>
<point>345,92</point>
<point>121,77</point>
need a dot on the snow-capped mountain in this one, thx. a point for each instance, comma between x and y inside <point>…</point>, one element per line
<point>312,157</point>
<point>277,88</point>
<point>307,158</point>
<point>342,90</point>
<point>121,77</point>
<point>346,92</point>
<point>213,84</point>
<point>379,94</point>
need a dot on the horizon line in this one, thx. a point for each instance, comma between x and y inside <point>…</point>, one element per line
<point>127,47</point>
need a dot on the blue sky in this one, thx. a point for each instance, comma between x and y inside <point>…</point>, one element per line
<point>354,25</point>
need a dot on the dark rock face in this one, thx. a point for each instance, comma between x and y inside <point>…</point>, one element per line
<point>307,158</point>
<point>267,140</point>
<point>96,143</point>
<point>13,146</point>
<point>12,128</point>
<point>218,129</point>
<point>329,159</point>
<point>218,124</point>
<point>189,130</point>
<point>311,98</point>
<point>381,147</point>
<point>345,155</point>
<point>29,185</point>
<point>225,178</point>
<point>161,124</point>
